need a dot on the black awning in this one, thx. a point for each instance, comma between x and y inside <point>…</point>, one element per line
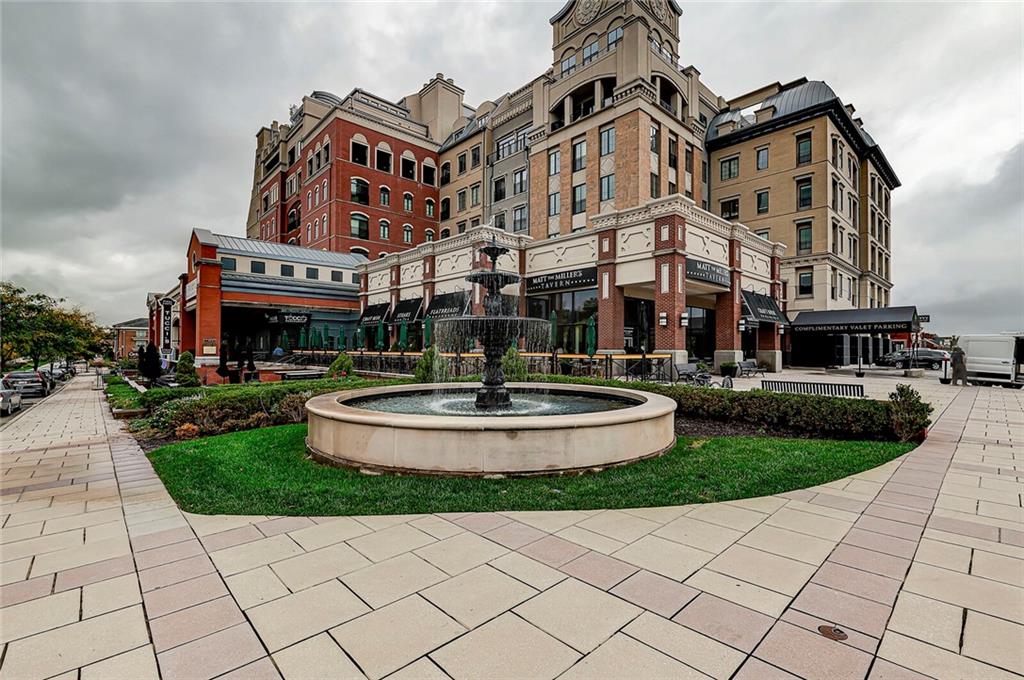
<point>407,311</point>
<point>447,305</point>
<point>762,308</point>
<point>374,314</point>
<point>873,320</point>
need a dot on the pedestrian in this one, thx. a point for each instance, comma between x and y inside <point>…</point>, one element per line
<point>959,361</point>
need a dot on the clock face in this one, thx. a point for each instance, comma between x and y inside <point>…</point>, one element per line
<point>586,11</point>
<point>659,9</point>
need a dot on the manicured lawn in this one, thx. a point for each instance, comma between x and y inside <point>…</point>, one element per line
<point>122,395</point>
<point>266,472</point>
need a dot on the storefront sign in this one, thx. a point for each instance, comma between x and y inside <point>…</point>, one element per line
<point>875,327</point>
<point>407,311</point>
<point>447,305</point>
<point>167,304</point>
<point>190,288</point>
<point>291,319</point>
<point>585,277</point>
<point>763,308</point>
<point>374,314</point>
<point>700,270</point>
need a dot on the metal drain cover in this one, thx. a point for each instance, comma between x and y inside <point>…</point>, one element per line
<point>832,633</point>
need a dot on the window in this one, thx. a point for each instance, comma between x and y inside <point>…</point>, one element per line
<point>519,181</point>
<point>445,233</point>
<point>228,264</point>
<point>429,175</point>
<point>554,162</point>
<point>608,187</point>
<point>519,219</point>
<point>460,199</point>
<point>325,191</point>
<point>590,52</point>
<point>287,270</point>
<point>474,157</point>
<point>731,209</point>
<point>554,204</point>
<point>568,65</point>
<point>474,195</point>
<point>385,230</point>
<point>407,202</point>
<point>360,191</point>
<point>805,283</point>
<point>316,196</point>
<point>607,141</point>
<point>462,163</point>
<point>499,189</point>
<point>407,233</point>
<point>385,196</point>
<point>461,227</point>
<point>762,158</point>
<point>614,36</point>
<point>257,267</point>
<point>704,172</point>
<point>383,160</point>
<point>803,194</point>
<point>803,239</point>
<point>312,273</point>
<point>579,155</point>
<point>429,234</point>
<point>337,276</point>
<point>803,149</point>
<point>360,154</point>
<point>673,152</point>
<point>655,185</point>
<point>763,233</point>
<point>430,207</point>
<point>446,173</point>
<point>762,202</point>
<point>656,138</point>
<point>579,199</point>
<point>409,168</point>
<point>266,202</point>
<point>689,159</point>
<point>446,208</point>
<point>498,221</point>
<point>359,226</point>
<point>730,168</point>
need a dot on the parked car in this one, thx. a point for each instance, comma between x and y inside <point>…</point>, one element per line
<point>10,398</point>
<point>994,359</point>
<point>892,358</point>
<point>29,382</point>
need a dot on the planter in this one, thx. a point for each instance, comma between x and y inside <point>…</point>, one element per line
<point>859,374</point>
<point>913,373</point>
<point>127,413</point>
<point>728,371</point>
<point>945,381</point>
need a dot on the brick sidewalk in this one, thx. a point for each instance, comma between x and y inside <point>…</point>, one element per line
<point>920,562</point>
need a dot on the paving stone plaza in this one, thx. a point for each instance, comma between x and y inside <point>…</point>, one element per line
<point>920,562</point>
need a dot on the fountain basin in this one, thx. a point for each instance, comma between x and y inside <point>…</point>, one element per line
<point>631,426</point>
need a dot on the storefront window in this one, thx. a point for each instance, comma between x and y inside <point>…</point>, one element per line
<point>572,309</point>
<point>700,335</point>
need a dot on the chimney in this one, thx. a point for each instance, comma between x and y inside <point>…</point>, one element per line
<point>725,127</point>
<point>764,113</point>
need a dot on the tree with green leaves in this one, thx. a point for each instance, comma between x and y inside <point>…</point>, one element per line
<point>186,375</point>
<point>38,328</point>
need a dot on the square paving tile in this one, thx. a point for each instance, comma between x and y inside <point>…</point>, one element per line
<point>416,625</point>
<point>553,551</point>
<point>212,655</point>
<point>698,534</point>
<point>289,619</point>
<point>317,657</point>
<point>598,570</point>
<point>531,572</point>
<point>423,669</point>
<point>619,525</point>
<point>780,574</point>
<point>507,647</point>
<point>387,543</point>
<point>624,657</point>
<point>393,579</point>
<point>929,620</point>
<point>461,553</point>
<point>656,593</point>
<point>810,655</point>
<point>515,535</point>
<point>725,621</point>
<point>193,623</point>
<point>664,557</point>
<point>579,615</point>
<point>786,543</point>
<point>335,530</point>
<point>138,664</point>
<point>478,595</point>
<point>683,644</point>
<point>995,641</point>
<point>254,554</point>
<point>255,587</point>
<point>303,571</point>
<point>843,609</point>
<point>729,516</point>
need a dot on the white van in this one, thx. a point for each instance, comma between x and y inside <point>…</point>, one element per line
<point>994,359</point>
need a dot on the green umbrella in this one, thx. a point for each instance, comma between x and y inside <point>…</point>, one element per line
<point>357,341</point>
<point>403,337</point>
<point>428,331</point>
<point>284,340</point>
<point>326,336</point>
<point>342,340</point>
<point>302,338</point>
<point>315,341</point>
<point>554,330</point>
<point>591,337</point>
<point>380,336</point>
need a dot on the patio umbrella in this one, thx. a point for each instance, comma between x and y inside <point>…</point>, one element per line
<point>428,331</point>
<point>591,337</point>
<point>284,340</point>
<point>554,330</point>
<point>222,367</point>
<point>342,340</point>
<point>302,338</point>
<point>325,337</point>
<point>403,337</point>
<point>380,336</point>
<point>357,340</point>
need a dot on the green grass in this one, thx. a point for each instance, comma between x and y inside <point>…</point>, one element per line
<point>122,395</point>
<point>266,472</point>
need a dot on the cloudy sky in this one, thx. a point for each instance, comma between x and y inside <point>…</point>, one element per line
<point>125,125</point>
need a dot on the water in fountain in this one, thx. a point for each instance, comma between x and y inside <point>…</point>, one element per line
<point>498,329</point>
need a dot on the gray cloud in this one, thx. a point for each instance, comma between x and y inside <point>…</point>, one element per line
<point>125,125</point>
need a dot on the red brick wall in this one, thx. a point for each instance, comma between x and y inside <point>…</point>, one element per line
<point>610,309</point>
<point>669,281</point>
<point>728,306</point>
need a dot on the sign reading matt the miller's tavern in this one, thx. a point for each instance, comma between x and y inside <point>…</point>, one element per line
<point>572,278</point>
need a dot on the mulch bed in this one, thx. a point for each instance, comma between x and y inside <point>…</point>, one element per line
<point>694,427</point>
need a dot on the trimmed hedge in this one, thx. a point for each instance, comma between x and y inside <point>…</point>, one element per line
<point>822,417</point>
<point>120,394</point>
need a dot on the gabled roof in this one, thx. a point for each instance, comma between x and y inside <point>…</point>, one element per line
<point>141,322</point>
<point>277,251</point>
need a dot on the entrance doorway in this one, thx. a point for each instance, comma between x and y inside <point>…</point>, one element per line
<point>638,325</point>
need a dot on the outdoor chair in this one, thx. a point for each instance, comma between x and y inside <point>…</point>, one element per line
<point>749,367</point>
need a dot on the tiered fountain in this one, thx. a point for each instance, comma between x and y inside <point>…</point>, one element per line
<point>489,427</point>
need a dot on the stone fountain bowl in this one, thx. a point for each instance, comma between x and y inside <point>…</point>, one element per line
<point>635,425</point>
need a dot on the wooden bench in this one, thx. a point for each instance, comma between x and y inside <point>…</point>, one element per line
<point>749,367</point>
<point>301,375</point>
<point>824,389</point>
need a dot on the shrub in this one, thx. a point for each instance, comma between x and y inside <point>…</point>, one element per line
<point>121,395</point>
<point>186,431</point>
<point>514,365</point>
<point>909,415</point>
<point>186,375</point>
<point>341,367</point>
<point>292,409</point>
<point>155,396</point>
<point>432,367</point>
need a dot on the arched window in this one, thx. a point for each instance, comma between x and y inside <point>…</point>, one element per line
<point>446,208</point>
<point>385,230</point>
<point>325,224</point>
<point>316,196</point>
<point>446,173</point>
<point>293,218</point>
<point>382,256</point>
<point>325,189</point>
<point>430,207</point>
<point>360,226</point>
<point>293,241</point>
<point>407,233</point>
<point>316,155</point>
<point>429,233</point>
<point>316,228</point>
<point>358,250</point>
<point>360,191</point>
<point>407,202</point>
<point>309,232</point>
<point>309,200</point>
<point>445,233</point>
<point>327,152</point>
<point>385,196</point>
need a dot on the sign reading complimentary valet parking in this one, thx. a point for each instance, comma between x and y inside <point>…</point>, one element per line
<point>585,277</point>
<point>700,270</point>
